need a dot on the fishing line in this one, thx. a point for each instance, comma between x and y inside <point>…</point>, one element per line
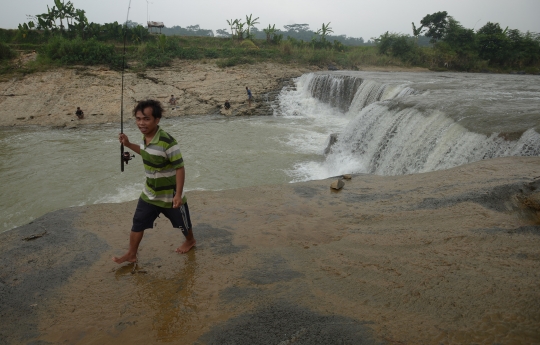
<point>123,158</point>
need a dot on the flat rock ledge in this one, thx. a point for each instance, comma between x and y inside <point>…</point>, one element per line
<point>444,257</point>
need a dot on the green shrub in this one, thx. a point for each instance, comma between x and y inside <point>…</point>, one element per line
<point>189,53</point>
<point>78,51</point>
<point>6,52</point>
<point>152,55</point>
<point>211,53</point>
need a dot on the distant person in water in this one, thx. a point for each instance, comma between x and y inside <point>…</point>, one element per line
<point>249,96</point>
<point>172,101</point>
<point>79,113</point>
<point>163,192</point>
<point>227,105</point>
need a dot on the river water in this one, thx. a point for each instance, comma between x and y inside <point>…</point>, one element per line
<point>386,123</point>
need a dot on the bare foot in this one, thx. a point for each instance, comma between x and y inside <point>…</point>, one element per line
<point>186,246</point>
<point>125,258</point>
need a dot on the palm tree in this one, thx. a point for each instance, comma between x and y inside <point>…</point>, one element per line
<point>250,22</point>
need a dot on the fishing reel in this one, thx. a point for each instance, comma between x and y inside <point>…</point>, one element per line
<point>126,157</point>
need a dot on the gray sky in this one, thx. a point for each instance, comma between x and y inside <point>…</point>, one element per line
<point>355,18</point>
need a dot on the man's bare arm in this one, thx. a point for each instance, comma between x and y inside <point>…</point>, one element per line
<point>180,178</point>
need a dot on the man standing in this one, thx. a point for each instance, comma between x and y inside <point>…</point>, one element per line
<point>163,191</point>
<point>249,96</point>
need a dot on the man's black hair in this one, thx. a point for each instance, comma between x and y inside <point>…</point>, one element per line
<point>157,109</point>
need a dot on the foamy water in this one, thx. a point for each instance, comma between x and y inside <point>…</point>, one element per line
<point>399,123</point>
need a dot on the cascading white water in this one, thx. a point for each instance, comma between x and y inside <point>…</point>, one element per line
<point>400,127</point>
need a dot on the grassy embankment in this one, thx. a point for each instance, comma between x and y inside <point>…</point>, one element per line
<point>160,51</point>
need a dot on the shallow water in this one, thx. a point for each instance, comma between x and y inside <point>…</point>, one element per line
<point>47,169</point>
<point>393,123</point>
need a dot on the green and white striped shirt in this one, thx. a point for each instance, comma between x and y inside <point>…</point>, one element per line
<point>161,157</point>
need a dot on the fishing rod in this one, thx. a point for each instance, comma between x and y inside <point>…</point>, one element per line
<point>124,158</point>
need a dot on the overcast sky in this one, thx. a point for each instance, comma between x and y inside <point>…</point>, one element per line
<point>355,18</point>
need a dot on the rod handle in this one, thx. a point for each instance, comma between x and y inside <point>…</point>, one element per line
<point>122,157</point>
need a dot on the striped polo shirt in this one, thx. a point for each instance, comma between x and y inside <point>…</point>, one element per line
<point>161,157</point>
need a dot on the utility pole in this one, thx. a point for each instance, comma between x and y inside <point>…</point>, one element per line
<point>147,17</point>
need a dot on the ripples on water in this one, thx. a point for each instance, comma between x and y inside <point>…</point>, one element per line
<point>388,123</point>
<point>46,169</point>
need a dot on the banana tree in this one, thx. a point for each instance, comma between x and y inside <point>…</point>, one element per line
<point>61,12</point>
<point>25,28</point>
<point>240,30</point>
<point>269,31</point>
<point>417,32</point>
<point>324,30</point>
<point>81,23</point>
<point>250,22</point>
<point>48,20</point>
<point>232,25</point>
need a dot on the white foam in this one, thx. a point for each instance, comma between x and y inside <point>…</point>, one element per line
<point>383,138</point>
<point>122,194</point>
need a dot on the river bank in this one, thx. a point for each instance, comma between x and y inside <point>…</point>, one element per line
<point>450,256</point>
<point>51,98</point>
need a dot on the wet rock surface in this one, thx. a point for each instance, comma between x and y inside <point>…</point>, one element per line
<point>444,257</point>
<point>32,268</point>
<point>286,323</point>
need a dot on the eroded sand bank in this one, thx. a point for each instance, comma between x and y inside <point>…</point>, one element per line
<point>444,257</point>
<point>51,98</point>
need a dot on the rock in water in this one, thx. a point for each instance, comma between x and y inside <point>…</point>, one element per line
<point>331,141</point>
<point>337,184</point>
<point>347,176</point>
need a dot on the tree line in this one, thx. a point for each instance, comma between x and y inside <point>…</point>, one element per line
<point>67,21</point>
<point>456,47</point>
<point>64,34</point>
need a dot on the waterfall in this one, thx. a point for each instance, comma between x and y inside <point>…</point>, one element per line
<point>390,129</point>
<point>394,141</point>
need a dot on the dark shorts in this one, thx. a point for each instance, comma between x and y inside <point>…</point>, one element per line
<point>146,214</point>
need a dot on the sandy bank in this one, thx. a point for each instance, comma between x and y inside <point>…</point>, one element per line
<point>51,98</point>
<point>445,257</point>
